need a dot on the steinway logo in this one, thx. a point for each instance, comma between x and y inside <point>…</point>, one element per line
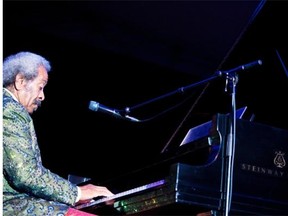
<point>279,159</point>
<point>279,162</point>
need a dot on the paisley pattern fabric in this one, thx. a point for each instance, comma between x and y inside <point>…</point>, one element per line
<point>28,187</point>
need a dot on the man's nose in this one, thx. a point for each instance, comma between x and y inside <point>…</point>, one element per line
<point>42,96</point>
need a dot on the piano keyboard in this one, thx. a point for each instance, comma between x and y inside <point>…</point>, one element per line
<point>122,194</point>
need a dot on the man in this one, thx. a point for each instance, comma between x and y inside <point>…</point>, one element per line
<point>28,187</point>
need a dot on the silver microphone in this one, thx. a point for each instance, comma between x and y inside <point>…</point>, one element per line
<point>95,106</point>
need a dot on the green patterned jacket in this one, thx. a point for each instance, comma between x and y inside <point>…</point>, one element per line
<point>28,187</point>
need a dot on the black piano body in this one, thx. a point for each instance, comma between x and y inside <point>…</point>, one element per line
<point>259,182</point>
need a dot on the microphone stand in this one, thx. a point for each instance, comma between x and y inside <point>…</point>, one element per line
<point>231,82</point>
<point>183,89</point>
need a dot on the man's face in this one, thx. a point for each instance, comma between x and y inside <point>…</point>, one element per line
<point>32,94</point>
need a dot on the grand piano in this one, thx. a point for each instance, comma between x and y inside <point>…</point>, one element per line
<point>179,184</point>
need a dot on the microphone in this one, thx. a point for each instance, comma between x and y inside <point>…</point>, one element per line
<point>95,106</point>
<point>241,67</point>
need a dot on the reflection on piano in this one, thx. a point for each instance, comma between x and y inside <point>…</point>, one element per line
<point>178,186</point>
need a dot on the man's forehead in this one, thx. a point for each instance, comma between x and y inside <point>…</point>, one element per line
<point>43,74</point>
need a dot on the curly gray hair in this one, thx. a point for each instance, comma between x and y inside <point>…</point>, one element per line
<point>25,63</point>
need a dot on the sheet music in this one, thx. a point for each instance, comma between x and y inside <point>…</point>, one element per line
<point>203,130</point>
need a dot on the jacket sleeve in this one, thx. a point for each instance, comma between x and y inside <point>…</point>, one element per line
<point>22,162</point>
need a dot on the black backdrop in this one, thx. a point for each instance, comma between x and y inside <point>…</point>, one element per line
<point>75,140</point>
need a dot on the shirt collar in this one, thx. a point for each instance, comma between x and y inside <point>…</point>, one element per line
<point>11,94</point>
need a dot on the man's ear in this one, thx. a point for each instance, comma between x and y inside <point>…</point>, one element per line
<point>20,82</point>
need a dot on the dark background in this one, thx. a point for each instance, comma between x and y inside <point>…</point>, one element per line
<point>124,53</point>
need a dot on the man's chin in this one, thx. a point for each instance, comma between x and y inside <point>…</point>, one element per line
<point>34,109</point>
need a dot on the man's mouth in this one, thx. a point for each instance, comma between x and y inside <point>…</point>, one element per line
<point>38,103</point>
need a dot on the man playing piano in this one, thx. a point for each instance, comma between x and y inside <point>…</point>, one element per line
<point>28,187</point>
